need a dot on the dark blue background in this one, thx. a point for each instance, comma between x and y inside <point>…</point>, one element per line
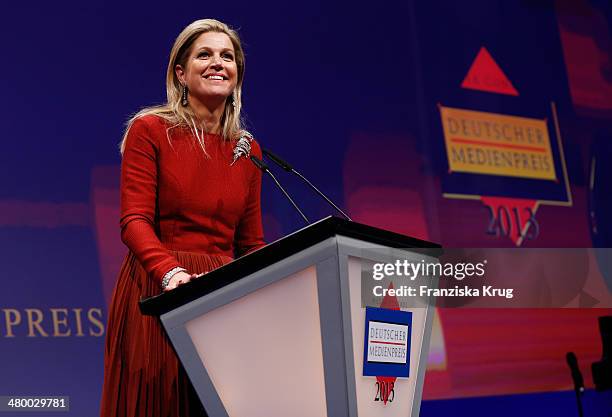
<point>319,74</point>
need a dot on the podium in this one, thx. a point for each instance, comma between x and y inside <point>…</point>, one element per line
<point>281,331</point>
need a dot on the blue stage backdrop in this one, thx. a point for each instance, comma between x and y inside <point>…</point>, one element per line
<point>365,99</point>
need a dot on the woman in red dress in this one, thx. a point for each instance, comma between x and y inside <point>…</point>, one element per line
<point>190,202</point>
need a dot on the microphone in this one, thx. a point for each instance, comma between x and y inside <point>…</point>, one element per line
<point>572,361</point>
<point>285,165</point>
<point>264,168</point>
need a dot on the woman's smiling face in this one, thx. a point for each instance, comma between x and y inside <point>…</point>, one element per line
<point>210,71</point>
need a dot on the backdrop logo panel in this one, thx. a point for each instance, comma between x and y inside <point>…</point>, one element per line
<point>513,161</point>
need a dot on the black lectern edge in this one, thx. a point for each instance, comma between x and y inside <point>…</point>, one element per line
<point>275,252</point>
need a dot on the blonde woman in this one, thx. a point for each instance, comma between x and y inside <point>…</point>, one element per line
<point>190,202</point>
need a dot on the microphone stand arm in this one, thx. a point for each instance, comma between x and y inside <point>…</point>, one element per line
<point>285,165</point>
<point>264,167</point>
<point>331,203</point>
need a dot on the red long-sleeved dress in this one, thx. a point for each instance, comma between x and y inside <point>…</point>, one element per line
<point>179,207</point>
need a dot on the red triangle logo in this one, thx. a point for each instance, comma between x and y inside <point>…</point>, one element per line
<point>390,302</point>
<point>486,75</point>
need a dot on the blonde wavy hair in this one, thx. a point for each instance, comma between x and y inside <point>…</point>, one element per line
<point>173,111</point>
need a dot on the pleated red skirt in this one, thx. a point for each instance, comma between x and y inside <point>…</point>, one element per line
<point>142,374</point>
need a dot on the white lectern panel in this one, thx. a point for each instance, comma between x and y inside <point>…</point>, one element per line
<point>405,388</point>
<point>263,351</point>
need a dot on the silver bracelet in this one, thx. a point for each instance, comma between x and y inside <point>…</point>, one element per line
<point>166,279</point>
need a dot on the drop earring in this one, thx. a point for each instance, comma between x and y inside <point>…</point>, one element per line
<point>184,101</point>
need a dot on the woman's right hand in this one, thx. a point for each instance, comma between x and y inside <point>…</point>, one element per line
<point>177,279</point>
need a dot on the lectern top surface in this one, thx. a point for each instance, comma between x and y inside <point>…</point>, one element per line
<point>275,252</point>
